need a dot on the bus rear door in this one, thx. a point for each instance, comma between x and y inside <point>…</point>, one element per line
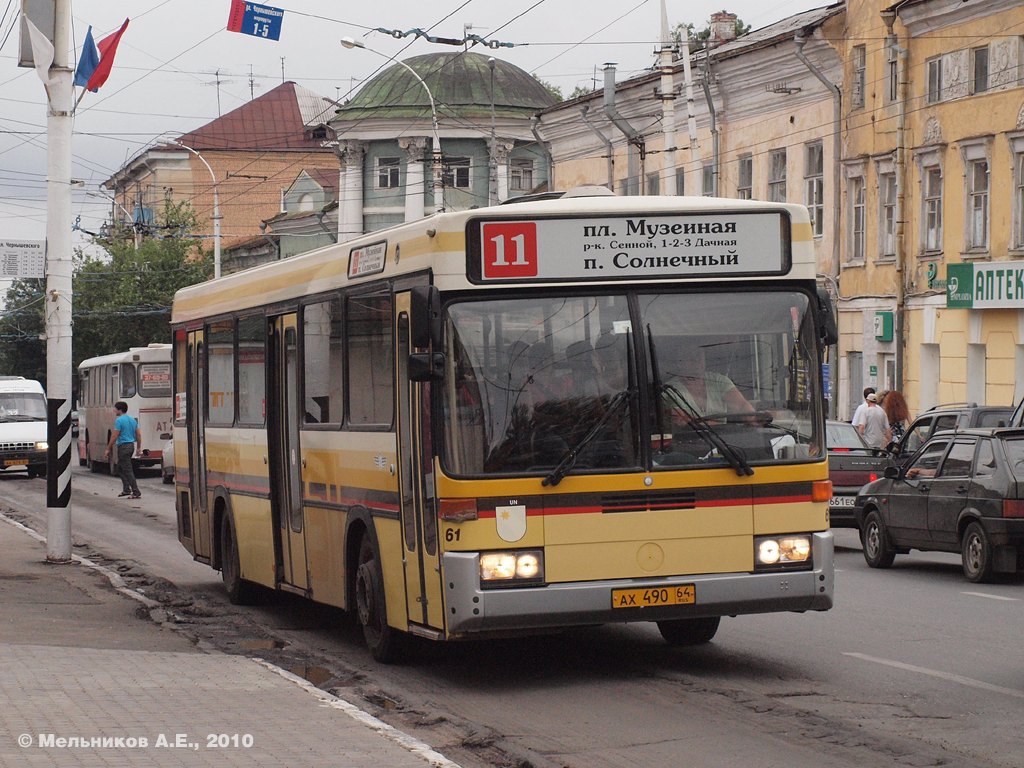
<point>195,418</point>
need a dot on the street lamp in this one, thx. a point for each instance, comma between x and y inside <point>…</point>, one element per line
<point>216,205</point>
<point>436,157</point>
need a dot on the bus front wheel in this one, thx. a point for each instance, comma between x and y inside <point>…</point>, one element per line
<point>689,631</point>
<point>382,640</point>
<point>240,591</point>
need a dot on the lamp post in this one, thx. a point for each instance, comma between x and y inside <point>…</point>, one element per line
<point>216,205</point>
<point>436,165</point>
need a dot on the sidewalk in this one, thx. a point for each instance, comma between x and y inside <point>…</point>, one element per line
<point>85,680</point>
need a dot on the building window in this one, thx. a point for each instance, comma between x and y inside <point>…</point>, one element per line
<point>777,176</point>
<point>979,69</point>
<point>387,172</point>
<point>934,94</point>
<point>814,186</point>
<point>892,79</point>
<point>680,182</point>
<point>457,172</point>
<point>1018,200</point>
<point>521,175</point>
<point>745,183</point>
<point>859,82</point>
<point>857,223</point>
<point>653,183</point>
<point>887,213</point>
<point>707,180</point>
<point>977,204</point>
<point>932,213</point>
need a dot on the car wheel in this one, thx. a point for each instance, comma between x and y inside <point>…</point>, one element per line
<point>689,631</point>
<point>382,640</point>
<point>976,553</point>
<point>878,552</point>
<point>240,591</point>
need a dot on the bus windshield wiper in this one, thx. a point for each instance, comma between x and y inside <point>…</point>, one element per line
<point>569,460</point>
<point>697,422</point>
<point>701,426</point>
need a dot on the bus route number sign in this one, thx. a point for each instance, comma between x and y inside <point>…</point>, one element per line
<point>509,250</point>
<point>652,597</point>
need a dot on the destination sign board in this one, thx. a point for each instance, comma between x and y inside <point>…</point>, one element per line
<point>630,247</point>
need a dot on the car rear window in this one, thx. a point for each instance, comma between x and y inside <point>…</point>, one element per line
<point>994,418</point>
<point>843,436</point>
<point>1015,456</point>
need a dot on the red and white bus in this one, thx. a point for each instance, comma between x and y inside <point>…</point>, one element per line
<point>141,377</point>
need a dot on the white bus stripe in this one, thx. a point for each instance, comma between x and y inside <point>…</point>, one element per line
<point>970,682</point>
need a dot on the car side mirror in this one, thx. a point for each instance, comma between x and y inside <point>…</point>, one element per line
<point>891,472</point>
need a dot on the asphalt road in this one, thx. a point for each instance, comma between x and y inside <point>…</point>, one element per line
<point>914,666</point>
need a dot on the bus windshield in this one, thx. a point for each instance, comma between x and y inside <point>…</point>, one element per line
<point>632,381</point>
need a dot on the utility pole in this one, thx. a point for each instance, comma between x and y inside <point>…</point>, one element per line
<point>58,290</point>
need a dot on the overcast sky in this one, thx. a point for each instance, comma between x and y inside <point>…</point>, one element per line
<point>165,73</point>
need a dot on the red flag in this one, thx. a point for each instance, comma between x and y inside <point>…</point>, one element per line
<point>107,47</point>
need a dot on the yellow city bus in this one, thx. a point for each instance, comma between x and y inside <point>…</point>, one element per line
<point>482,423</point>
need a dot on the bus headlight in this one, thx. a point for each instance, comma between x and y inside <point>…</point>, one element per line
<point>781,552</point>
<point>42,445</point>
<point>508,569</point>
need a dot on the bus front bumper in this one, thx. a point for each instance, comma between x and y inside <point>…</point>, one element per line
<point>471,609</point>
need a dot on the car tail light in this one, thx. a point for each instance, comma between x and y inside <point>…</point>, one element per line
<point>872,476</point>
<point>840,450</point>
<point>1013,507</point>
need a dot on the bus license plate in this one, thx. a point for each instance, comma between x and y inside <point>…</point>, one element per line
<point>651,597</point>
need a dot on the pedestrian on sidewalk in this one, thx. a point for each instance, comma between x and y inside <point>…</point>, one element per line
<point>874,424</point>
<point>127,441</point>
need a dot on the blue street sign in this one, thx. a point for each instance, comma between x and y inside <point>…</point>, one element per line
<point>256,20</point>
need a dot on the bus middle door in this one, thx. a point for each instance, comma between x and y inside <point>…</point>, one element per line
<point>416,484</point>
<point>283,414</point>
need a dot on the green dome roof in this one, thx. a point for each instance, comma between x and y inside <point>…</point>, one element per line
<point>461,84</point>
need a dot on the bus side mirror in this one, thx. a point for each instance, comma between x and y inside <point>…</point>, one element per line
<point>426,366</point>
<point>425,316</point>
<point>826,319</point>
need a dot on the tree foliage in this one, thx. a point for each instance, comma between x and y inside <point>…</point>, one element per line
<point>120,300</point>
<point>698,38</point>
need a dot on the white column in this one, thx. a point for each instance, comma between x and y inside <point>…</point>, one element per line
<point>415,176</point>
<point>500,153</point>
<point>58,291</point>
<point>350,189</point>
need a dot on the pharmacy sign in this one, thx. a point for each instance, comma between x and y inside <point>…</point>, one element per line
<point>996,285</point>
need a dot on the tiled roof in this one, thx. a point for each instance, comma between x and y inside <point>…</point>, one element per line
<point>279,119</point>
<point>327,179</point>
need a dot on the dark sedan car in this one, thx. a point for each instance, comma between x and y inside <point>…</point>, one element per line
<point>961,492</point>
<point>851,465</point>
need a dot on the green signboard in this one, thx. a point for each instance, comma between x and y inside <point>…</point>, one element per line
<point>995,285</point>
<point>883,326</point>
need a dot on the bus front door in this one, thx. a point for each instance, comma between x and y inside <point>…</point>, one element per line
<point>195,419</point>
<point>283,437</point>
<point>416,484</point>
